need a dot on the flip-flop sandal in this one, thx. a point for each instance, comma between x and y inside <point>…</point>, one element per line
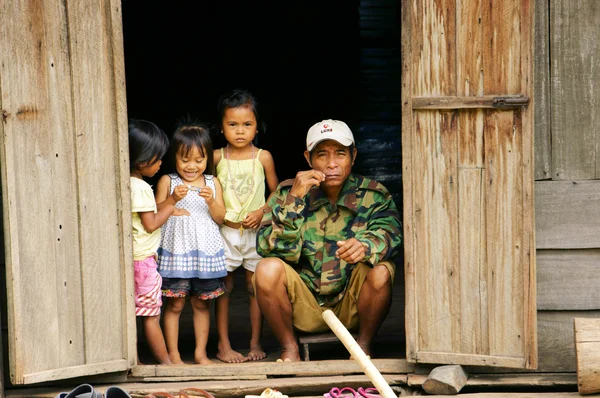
<point>116,392</point>
<point>370,392</point>
<point>81,391</point>
<point>198,392</point>
<point>268,393</point>
<point>346,392</point>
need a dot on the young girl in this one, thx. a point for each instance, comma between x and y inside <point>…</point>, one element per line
<point>147,145</point>
<point>191,257</point>
<point>242,169</point>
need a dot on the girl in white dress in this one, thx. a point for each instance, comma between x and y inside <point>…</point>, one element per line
<point>191,257</point>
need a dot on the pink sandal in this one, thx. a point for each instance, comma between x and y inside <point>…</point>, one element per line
<point>370,392</point>
<point>346,392</point>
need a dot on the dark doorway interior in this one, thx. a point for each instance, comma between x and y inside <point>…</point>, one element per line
<point>304,61</point>
<point>300,59</point>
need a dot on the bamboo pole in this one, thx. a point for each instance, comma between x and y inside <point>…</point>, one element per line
<point>358,354</point>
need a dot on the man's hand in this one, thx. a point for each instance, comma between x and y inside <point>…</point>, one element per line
<point>179,192</point>
<point>351,251</point>
<point>305,180</point>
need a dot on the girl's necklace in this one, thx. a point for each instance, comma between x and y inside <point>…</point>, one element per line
<point>231,182</point>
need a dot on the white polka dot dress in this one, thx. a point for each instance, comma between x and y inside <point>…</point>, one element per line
<point>191,246</point>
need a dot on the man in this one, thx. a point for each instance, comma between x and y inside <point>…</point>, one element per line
<point>328,243</point>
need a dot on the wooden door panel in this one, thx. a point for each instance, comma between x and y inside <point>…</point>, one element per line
<point>65,175</point>
<point>467,156</point>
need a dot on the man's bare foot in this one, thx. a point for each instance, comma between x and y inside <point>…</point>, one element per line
<point>366,348</point>
<point>176,359</point>
<point>289,356</point>
<point>231,356</point>
<point>202,360</point>
<point>256,353</point>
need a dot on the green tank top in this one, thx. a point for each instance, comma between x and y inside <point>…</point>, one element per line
<point>243,192</point>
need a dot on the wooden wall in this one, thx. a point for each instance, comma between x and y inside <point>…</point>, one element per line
<point>567,190</point>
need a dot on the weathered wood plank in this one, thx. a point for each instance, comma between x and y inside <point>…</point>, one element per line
<point>407,171</point>
<point>485,102</point>
<point>509,380</point>
<point>469,37</point>
<point>123,191</point>
<point>587,350</point>
<point>504,231</point>
<point>575,87</point>
<point>312,368</point>
<point>436,235</point>
<point>566,214</point>
<point>98,179</point>
<point>501,21</point>
<point>473,313</point>
<point>39,210</point>
<point>541,91</point>
<point>568,279</point>
<point>434,48</point>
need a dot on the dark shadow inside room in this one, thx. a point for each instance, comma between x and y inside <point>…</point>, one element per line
<point>304,62</point>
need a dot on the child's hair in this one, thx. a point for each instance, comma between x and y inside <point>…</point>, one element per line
<point>147,142</point>
<point>194,134</point>
<point>238,98</point>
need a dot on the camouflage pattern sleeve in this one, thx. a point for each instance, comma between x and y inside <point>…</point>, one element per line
<point>383,235</point>
<point>279,234</point>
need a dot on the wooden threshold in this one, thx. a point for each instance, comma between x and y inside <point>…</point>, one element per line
<point>311,368</point>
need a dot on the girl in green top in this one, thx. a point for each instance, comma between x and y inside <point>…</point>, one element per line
<point>242,170</point>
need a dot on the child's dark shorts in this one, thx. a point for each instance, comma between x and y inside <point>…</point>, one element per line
<point>203,289</point>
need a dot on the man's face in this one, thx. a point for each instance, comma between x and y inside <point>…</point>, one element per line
<point>332,159</point>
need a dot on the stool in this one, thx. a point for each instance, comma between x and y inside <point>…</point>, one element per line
<point>318,338</point>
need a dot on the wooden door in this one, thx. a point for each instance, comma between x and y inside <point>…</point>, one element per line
<point>65,189</point>
<point>468,186</point>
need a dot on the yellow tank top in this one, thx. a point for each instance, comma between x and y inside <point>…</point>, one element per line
<point>242,191</point>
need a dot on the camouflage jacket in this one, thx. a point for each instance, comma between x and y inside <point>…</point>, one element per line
<point>303,232</point>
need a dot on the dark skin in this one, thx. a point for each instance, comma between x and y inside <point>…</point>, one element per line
<point>331,164</point>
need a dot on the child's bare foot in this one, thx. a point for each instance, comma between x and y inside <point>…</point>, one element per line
<point>202,360</point>
<point>230,356</point>
<point>176,359</point>
<point>256,353</point>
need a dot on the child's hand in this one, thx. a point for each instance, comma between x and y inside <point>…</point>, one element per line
<point>207,194</point>
<point>253,219</point>
<point>181,212</point>
<point>179,192</point>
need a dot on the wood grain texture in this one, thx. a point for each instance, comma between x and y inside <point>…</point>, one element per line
<point>541,91</point>
<point>575,87</point>
<point>39,191</point>
<point>63,186</point>
<point>471,173</point>
<point>566,214</point>
<point>587,350</point>
<point>434,47</point>
<point>568,279</point>
<point>501,21</point>
<point>95,125</point>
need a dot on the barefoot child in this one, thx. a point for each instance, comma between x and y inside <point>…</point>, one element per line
<point>191,257</point>
<point>242,169</point>
<point>147,146</point>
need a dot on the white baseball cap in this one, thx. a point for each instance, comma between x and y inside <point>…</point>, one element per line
<point>329,130</point>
